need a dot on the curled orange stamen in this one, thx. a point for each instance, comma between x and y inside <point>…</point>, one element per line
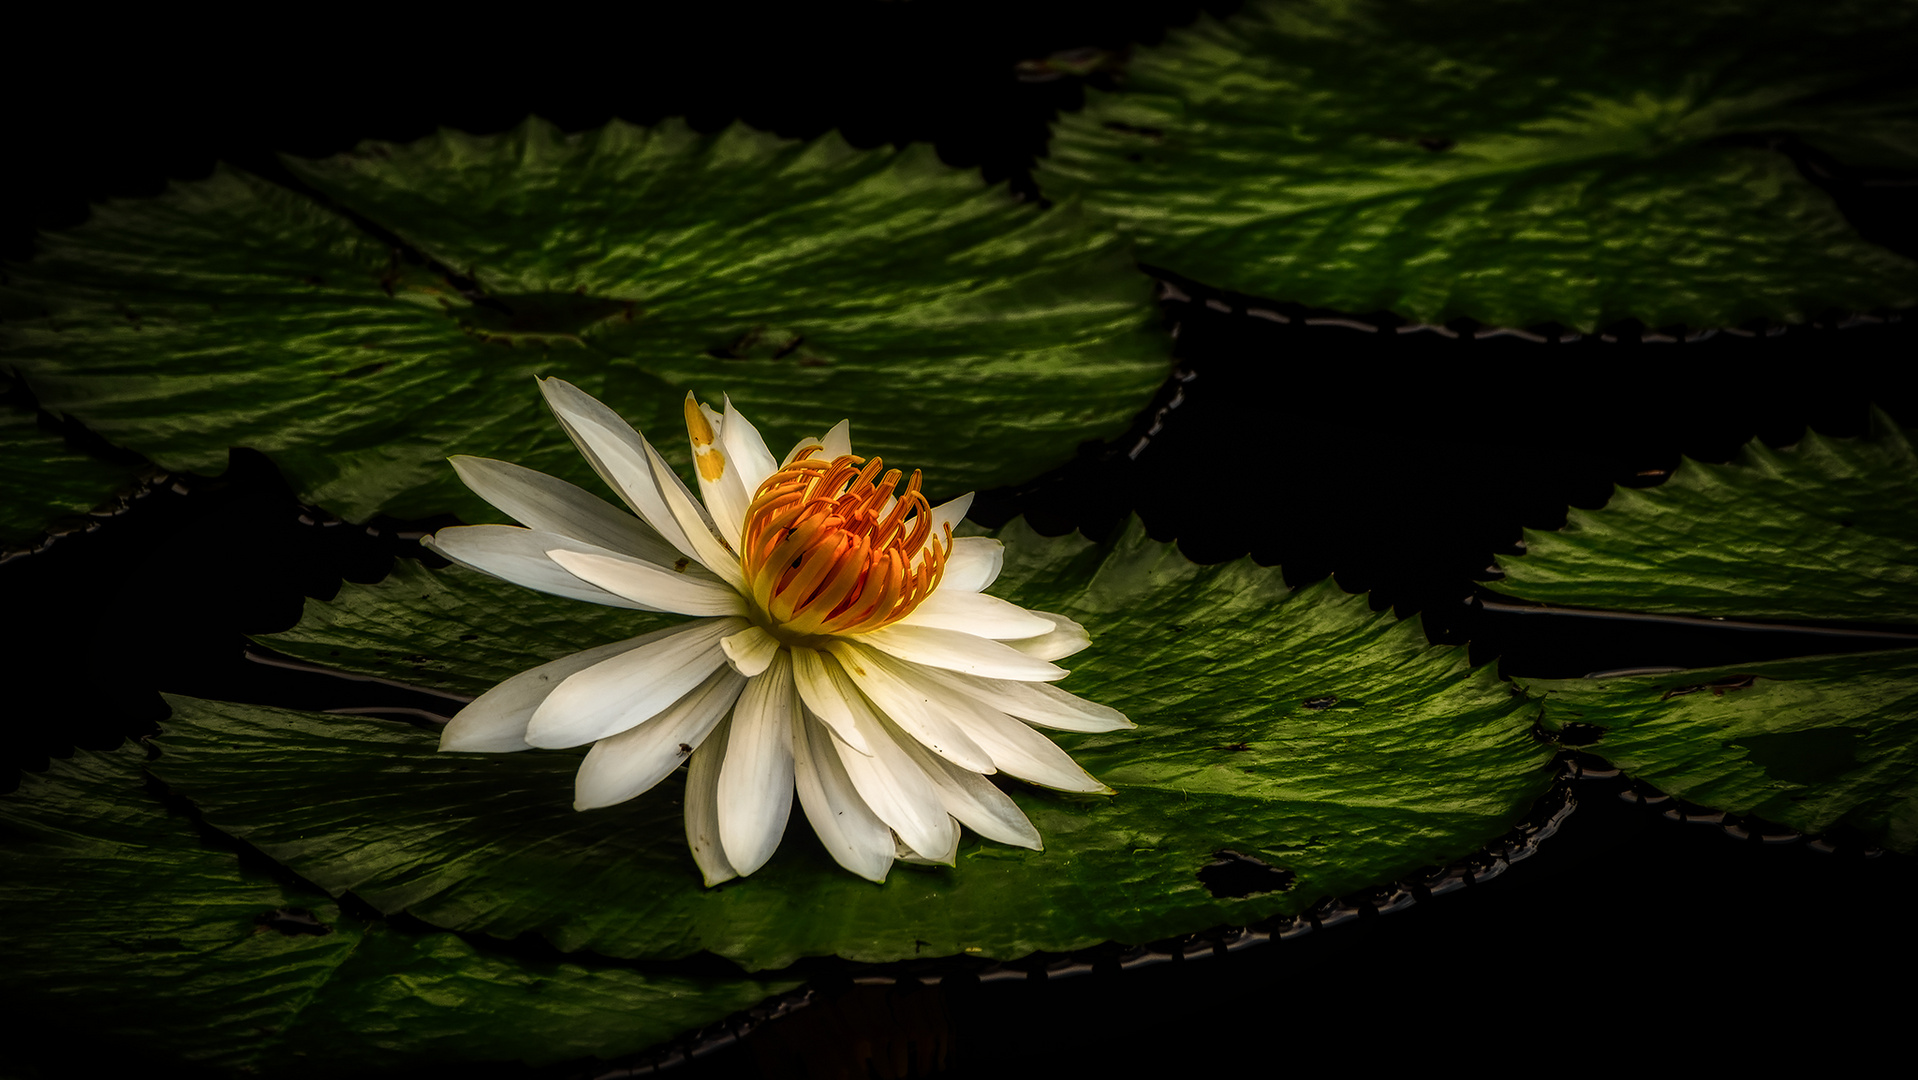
<point>836,547</point>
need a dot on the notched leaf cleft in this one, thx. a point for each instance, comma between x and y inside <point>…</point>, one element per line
<point>148,944</point>
<point>292,921</point>
<point>1719,688</point>
<point>1572,733</point>
<point>767,343</point>
<point>541,316</point>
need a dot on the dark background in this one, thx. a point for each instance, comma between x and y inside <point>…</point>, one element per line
<point>1401,464</point>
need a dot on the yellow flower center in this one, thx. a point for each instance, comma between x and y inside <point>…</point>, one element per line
<point>824,553</point>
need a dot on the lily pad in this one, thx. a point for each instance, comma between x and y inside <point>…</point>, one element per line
<point>1813,743</point>
<point>1443,159</point>
<point>121,916</point>
<point>1301,728</point>
<point>442,629</point>
<point>41,479</point>
<point>961,331</point>
<point>1824,530</point>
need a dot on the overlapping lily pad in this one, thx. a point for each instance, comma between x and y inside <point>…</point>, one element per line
<point>1302,729</point>
<point>1813,743</point>
<point>1447,158</point>
<point>42,479</point>
<point>120,912</point>
<point>1824,530</point>
<point>960,331</point>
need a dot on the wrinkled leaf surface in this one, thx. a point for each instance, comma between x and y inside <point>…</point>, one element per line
<point>1502,162</point>
<point>960,331</point>
<point>120,910</point>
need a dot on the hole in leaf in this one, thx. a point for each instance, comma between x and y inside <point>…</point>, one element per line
<point>1233,875</point>
<point>1803,757</point>
<point>1577,734</point>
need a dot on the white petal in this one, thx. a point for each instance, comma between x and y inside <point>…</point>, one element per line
<point>823,696</point>
<point>644,583</point>
<point>1035,703</point>
<point>549,504</point>
<point>519,555</point>
<point>977,614</point>
<point>721,487</point>
<point>958,651</point>
<point>974,564</point>
<point>707,548</point>
<point>907,703</point>
<point>838,441</point>
<point>630,688</point>
<point>618,453</point>
<point>854,836</point>
<point>702,809</point>
<point>1022,752</point>
<point>974,800</point>
<point>750,650</point>
<point>1067,637</point>
<point>495,722</point>
<point>945,858</point>
<point>894,786</point>
<point>748,450</point>
<point>756,779</point>
<point>798,447</point>
<point>949,514</point>
<point>633,761</point>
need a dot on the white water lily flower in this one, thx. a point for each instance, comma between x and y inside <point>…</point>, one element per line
<point>843,648</point>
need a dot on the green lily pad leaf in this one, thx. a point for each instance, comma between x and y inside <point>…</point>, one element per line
<point>1302,729</point>
<point>960,331</point>
<point>1812,743</point>
<point>40,479</point>
<point>122,918</point>
<point>1439,161</point>
<point>1826,529</point>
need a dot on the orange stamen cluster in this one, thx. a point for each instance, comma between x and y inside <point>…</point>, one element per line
<point>823,554</point>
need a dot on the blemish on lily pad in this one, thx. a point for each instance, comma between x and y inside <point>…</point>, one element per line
<point>1803,757</point>
<point>1233,875</point>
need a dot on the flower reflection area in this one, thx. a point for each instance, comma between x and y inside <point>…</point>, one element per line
<point>842,647</point>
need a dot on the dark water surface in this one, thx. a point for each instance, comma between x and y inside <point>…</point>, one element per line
<point>1398,463</point>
